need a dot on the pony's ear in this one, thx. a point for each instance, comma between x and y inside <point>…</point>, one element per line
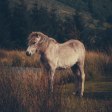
<point>33,34</point>
<point>38,39</point>
<point>43,38</point>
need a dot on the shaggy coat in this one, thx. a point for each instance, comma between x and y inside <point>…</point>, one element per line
<point>54,55</point>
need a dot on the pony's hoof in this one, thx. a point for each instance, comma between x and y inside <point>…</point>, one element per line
<point>80,95</point>
<point>77,94</point>
<point>74,93</point>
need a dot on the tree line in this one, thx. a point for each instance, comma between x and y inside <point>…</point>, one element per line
<point>17,22</point>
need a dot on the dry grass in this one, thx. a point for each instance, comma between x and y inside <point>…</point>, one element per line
<point>97,64</point>
<point>17,58</point>
<point>25,89</point>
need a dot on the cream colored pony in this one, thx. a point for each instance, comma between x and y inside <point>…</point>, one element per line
<point>55,55</point>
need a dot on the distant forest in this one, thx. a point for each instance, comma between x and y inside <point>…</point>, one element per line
<point>17,22</point>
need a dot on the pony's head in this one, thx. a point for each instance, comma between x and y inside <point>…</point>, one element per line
<point>35,40</point>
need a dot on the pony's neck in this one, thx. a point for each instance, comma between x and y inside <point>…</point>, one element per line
<point>47,44</point>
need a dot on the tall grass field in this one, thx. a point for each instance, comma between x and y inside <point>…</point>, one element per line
<point>23,86</point>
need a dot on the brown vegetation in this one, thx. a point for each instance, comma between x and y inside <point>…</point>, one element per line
<point>97,64</point>
<point>17,58</point>
<point>24,89</point>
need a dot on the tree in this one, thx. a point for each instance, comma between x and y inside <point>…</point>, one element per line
<point>53,21</point>
<point>34,24</point>
<point>19,25</point>
<point>4,23</point>
<point>39,18</point>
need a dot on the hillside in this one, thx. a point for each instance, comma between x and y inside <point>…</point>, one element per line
<point>88,21</point>
<point>95,14</point>
<point>99,9</point>
<point>92,13</point>
<point>62,8</point>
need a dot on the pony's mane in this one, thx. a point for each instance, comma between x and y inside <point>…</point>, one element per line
<point>52,39</point>
<point>36,34</point>
<point>33,35</point>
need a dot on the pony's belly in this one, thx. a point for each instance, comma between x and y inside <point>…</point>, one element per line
<point>67,63</point>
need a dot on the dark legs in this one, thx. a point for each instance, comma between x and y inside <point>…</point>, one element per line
<point>51,79</point>
<point>49,74</point>
<point>78,70</point>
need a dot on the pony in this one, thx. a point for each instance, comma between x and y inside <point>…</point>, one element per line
<point>54,55</point>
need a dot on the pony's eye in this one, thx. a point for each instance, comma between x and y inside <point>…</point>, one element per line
<point>33,42</point>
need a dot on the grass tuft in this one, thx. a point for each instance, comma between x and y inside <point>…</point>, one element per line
<point>24,88</point>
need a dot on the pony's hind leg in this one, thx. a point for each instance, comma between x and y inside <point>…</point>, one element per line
<point>82,79</point>
<point>78,70</point>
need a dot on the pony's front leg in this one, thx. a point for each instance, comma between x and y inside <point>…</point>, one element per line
<point>51,79</point>
<point>82,81</point>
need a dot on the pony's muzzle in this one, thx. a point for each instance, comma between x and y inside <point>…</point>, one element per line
<point>28,54</point>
